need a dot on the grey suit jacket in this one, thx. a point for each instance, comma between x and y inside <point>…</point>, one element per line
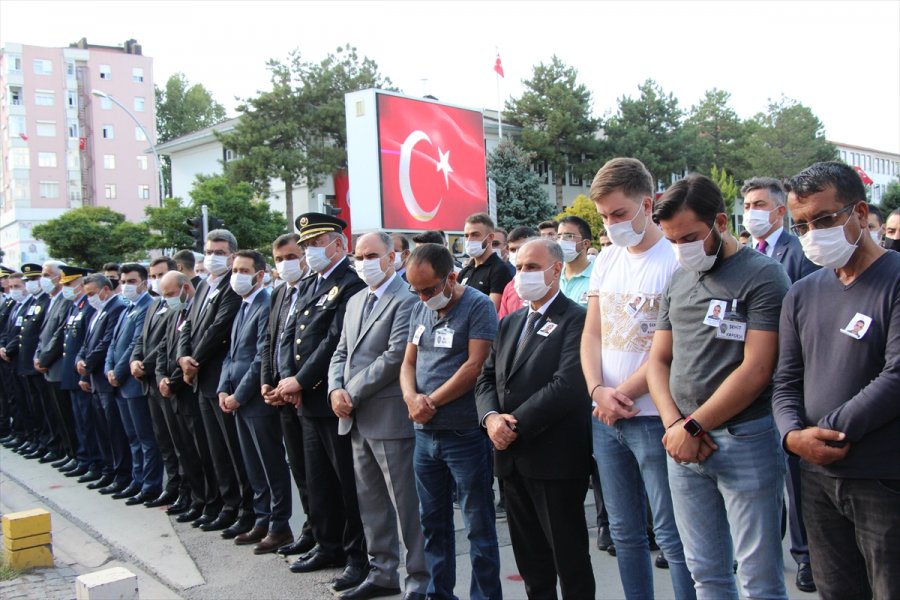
<point>789,253</point>
<point>50,343</point>
<point>367,363</point>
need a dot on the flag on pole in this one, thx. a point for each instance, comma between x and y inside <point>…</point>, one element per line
<point>498,66</point>
<point>23,136</point>
<point>864,176</point>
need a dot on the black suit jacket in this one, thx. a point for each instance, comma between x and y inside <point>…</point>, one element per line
<point>97,341</point>
<point>546,393</point>
<point>167,352</point>
<point>316,331</point>
<point>30,333</point>
<point>9,338</point>
<point>207,332</point>
<point>148,340</point>
<point>789,253</point>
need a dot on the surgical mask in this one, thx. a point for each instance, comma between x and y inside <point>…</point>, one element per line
<point>370,271</point>
<point>475,248</point>
<point>512,257</point>
<point>570,253</point>
<point>591,257</point>
<point>242,283</point>
<point>175,302</point>
<point>693,257</point>
<point>267,279</point>
<point>33,287</point>
<point>47,285</point>
<point>398,261</point>
<point>317,258</point>
<point>154,286</point>
<point>68,293</point>
<point>757,221</point>
<point>17,295</point>
<point>829,248</point>
<point>530,285</point>
<point>290,270</point>
<point>130,291</point>
<point>95,301</point>
<point>203,275</point>
<point>438,301</point>
<point>215,264</point>
<point>876,237</point>
<point>623,234</point>
<point>278,283</point>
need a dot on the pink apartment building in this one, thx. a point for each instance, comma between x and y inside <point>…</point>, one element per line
<point>63,147</point>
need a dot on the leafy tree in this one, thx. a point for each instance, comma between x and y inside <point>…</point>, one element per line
<point>584,208</point>
<point>182,108</point>
<point>554,112</point>
<point>785,140</point>
<point>891,198</point>
<point>650,128</point>
<point>92,235</point>
<point>727,186</point>
<point>720,132</point>
<point>167,225</point>
<point>521,199</point>
<point>296,132</point>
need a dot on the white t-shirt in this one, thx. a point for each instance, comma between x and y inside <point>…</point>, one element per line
<point>628,287</point>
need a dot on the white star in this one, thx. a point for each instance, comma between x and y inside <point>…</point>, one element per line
<point>444,165</point>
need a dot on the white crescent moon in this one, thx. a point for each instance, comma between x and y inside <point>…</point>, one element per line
<point>409,199</point>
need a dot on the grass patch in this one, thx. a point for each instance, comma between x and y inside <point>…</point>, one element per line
<point>7,572</point>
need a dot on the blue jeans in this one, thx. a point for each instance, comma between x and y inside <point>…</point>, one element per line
<point>729,507</point>
<point>632,459</point>
<point>146,462</point>
<point>464,457</point>
<point>88,453</point>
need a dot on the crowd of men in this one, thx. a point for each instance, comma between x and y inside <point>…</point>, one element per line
<point>695,375</point>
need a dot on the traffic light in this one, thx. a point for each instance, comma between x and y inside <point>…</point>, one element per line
<point>215,223</point>
<point>195,228</point>
<point>329,207</point>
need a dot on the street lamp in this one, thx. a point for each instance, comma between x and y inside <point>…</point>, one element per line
<point>100,94</point>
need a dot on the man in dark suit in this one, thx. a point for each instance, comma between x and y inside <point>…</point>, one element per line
<point>23,420</point>
<point>334,511</point>
<point>766,197</point>
<point>146,464</point>
<point>190,441</point>
<point>107,420</point>
<point>202,346</point>
<point>143,369</point>
<point>36,392</point>
<point>6,400</point>
<point>258,424</point>
<point>537,413</point>
<point>276,364</point>
<point>185,262</point>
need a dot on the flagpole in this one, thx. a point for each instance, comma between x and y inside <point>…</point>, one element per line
<point>499,102</point>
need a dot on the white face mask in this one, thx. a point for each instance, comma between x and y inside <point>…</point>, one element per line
<point>154,286</point>
<point>267,279</point>
<point>829,248</point>
<point>623,233</point>
<point>33,287</point>
<point>17,295</point>
<point>47,285</point>
<point>68,293</point>
<point>398,260</point>
<point>591,257</point>
<point>530,285</point>
<point>693,257</point>
<point>512,257</point>
<point>95,301</point>
<point>130,291</point>
<point>570,252</point>
<point>757,221</point>
<point>175,302</point>
<point>475,248</point>
<point>439,300</point>
<point>317,257</point>
<point>876,236</point>
<point>370,271</point>
<point>215,264</point>
<point>290,270</point>
<point>203,275</point>
<point>242,283</point>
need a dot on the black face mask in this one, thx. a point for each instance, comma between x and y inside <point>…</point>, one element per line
<point>892,244</point>
<point>113,283</point>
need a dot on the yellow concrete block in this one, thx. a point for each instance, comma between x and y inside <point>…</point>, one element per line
<point>26,542</point>
<point>26,523</point>
<point>29,558</point>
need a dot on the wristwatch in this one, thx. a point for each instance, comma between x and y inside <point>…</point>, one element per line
<point>693,427</point>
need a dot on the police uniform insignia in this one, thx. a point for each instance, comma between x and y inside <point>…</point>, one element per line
<point>37,310</point>
<point>332,293</point>
<point>304,222</point>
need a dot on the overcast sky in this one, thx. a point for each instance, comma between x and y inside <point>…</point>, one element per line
<point>840,58</point>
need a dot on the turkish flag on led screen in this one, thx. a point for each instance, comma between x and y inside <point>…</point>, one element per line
<point>432,164</point>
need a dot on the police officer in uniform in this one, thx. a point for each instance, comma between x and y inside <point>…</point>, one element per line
<point>36,392</point>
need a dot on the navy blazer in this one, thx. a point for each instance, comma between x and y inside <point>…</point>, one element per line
<point>80,313</point>
<point>118,357</point>
<point>242,365</point>
<point>30,333</point>
<point>97,341</point>
<point>789,253</point>
<point>10,336</point>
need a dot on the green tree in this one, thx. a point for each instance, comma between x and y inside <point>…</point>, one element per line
<point>720,132</point>
<point>727,186</point>
<point>785,140</point>
<point>521,199</point>
<point>296,132</point>
<point>182,108</point>
<point>650,128</point>
<point>584,208</point>
<point>92,235</point>
<point>167,225</point>
<point>555,115</point>
<point>891,198</point>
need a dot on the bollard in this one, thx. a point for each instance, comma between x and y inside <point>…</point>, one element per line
<point>117,583</point>
<point>26,539</point>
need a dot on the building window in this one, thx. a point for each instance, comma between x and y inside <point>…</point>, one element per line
<point>844,155</point>
<point>20,158</point>
<point>139,134</point>
<point>73,129</point>
<point>14,65</point>
<point>15,96</point>
<point>542,170</point>
<point>110,191</point>
<point>46,128</point>
<point>44,98</point>
<point>70,69</point>
<point>143,192</point>
<point>71,99</point>
<point>43,67</point>
<point>16,125</point>
<point>108,132</point>
<point>142,163</point>
<point>49,189</point>
<point>137,75</point>
<point>105,72</point>
<point>139,104</point>
<point>20,189</point>
<point>74,193</point>
<point>73,163</point>
<point>46,159</point>
<point>109,161</point>
<point>105,103</point>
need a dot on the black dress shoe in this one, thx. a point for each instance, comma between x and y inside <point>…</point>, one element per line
<point>25,447</point>
<point>804,580</point>
<point>182,505</point>
<point>60,462</point>
<point>191,514</point>
<point>13,442</point>
<point>352,577</point>
<point>142,497</point>
<point>203,519</point>
<point>114,488</point>
<point>316,562</point>
<point>243,525</point>
<point>69,465</point>
<point>413,596</point>
<point>78,471</point>
<point>661,562</point>
<point>36,453</point>
<point>604,539</point>
<point>304,543</point>
<point>52,457</point>
<point>100,483</point>
<point>164,499</point>
<point>367,589</point>
<point>131,490</point>
<point>223,521</point>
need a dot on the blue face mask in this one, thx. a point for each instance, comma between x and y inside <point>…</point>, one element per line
<point>175,302</point>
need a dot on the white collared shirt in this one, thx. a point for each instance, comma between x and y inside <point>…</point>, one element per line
<point>770,241</point>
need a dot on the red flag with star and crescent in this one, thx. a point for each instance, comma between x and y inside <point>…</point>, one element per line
<point>498,67</point>
<point>863,175</point>
<point>432,164</point>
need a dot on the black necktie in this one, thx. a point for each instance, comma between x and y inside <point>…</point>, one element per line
<point>371,299</point>
<point>285,309</point>
<point>530,325</point>
<point>241,315</point>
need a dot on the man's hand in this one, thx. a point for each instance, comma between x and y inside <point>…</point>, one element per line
<point>421,409</point>
<point>288,387</point>
<point>81,367</point>
<point>3,354</point>
<point>230,404</point>
<point>681,446</point>
<point>164,388</point>
<point>189,368</point>
<point>612,405</point>
<point>39,368</point>
<point>111,378</point>
<point>341,403</point>
<point>295,399</point>
<point>85,386</point>
<point>811,444</point>
<point>271,397</point>
<point>137,369</point>
<point>501,430</point>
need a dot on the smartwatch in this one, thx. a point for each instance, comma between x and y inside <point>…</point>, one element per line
<point>693,427</point>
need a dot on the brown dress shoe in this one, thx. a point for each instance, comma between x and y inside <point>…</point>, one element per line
<point>252,536</point>
<point>273,542</point>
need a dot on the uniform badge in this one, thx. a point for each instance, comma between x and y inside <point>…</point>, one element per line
<point>304,222</point>
<point>37,310</point>
<point>332,293</point>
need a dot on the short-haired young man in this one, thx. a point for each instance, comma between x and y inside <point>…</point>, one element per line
<point>547,229</point>
<point>511,302</point>
<point>486,272</point>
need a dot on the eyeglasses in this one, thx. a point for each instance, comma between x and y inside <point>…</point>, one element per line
<point>570,237</point>
<point>429,292</point>
<point>824,222</point>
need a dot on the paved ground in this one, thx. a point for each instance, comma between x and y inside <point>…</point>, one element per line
<point>173,560</point>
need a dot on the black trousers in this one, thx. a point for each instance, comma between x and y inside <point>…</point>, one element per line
<point>158,406</point>
<point>17,413</point>
<point>292,432</point>
<point>35,390</point>
<point>549,535</point>
<point>192,450</point>
<point>334,509</point>
<point>63,418</point>
<point>225,451</point>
